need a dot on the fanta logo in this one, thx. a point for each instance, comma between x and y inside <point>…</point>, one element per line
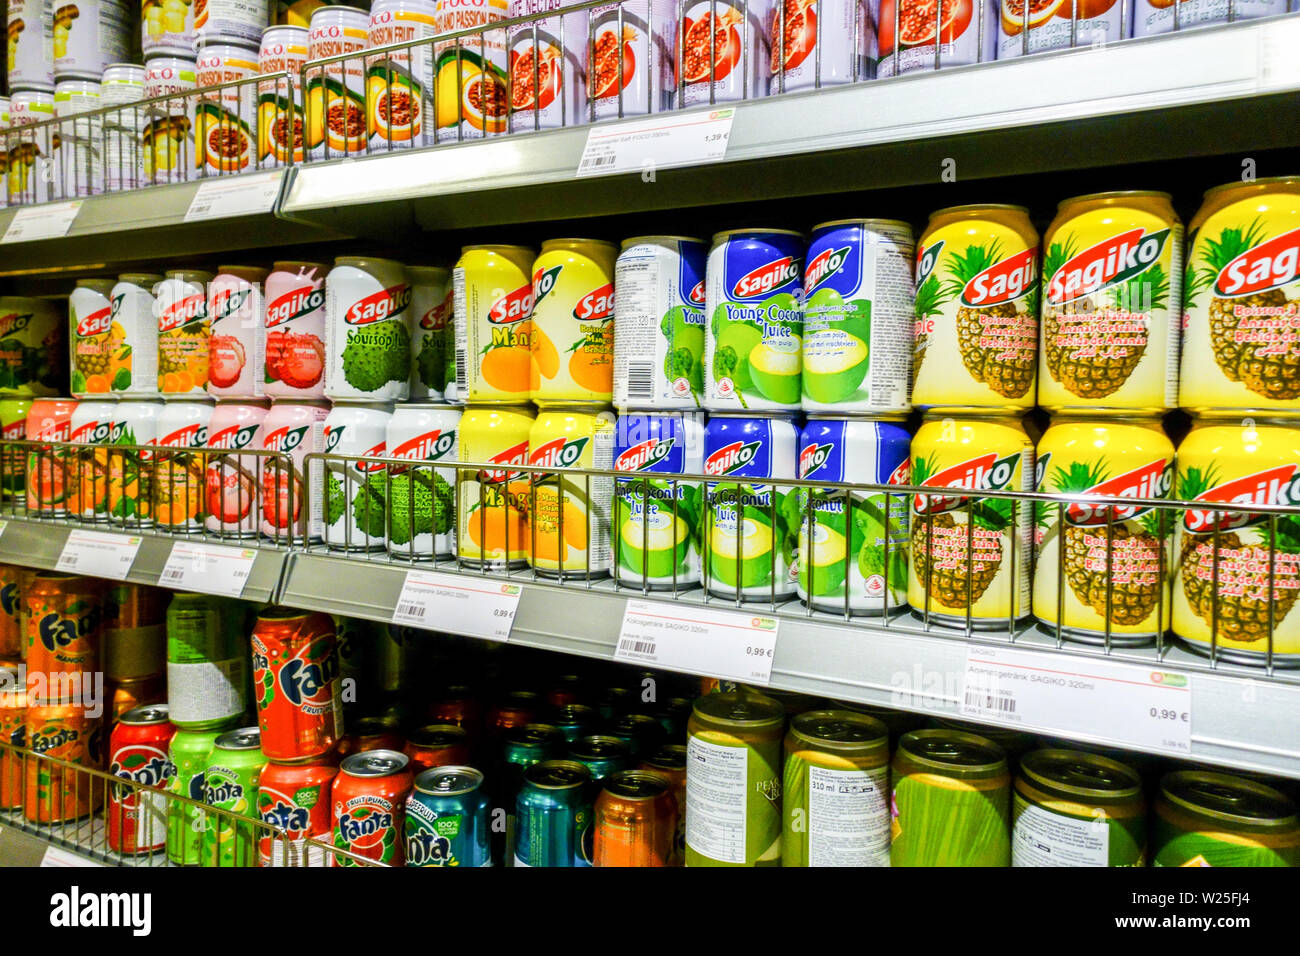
<point>9,599</point>
<point>14,322</point>
<point>731,458</point>
<point>43,741</point>
<point>544,281</point>
<point>813,457</point>
<point>362,828</point>
<point>985,473</point>
<point>1152,480</point>
<point>1110,262</point>
<point>824,265</point>
<point>233,436</point>
<point>517,455</point>
<point>286,438</point>
<point>91,433</point>
<point>195,788</point>
<point>597,305</point>
<point>294,304</point>
<point>512,306</point>
<point>307,678</point>
<point>192,308</point>
<point>902,475</point>
<point>57,632</point>
<point>1003,281</point>
<point>191,436</point>
<point>283,814</point>
<point>427,447</point>
<point>643,456</point>
<point>559,452</point>
<point>426,848</point>
<point>97,323</point>
<point>926,260</point>
<point>697,294</point>
<point>1273,486</point>
<point>766,277</point>
<point>143,765</point>
<point>218,792</point>
<point>367,465</point>
<point>1267,266</point>
<point>438,317</point>
<point>378,306</point>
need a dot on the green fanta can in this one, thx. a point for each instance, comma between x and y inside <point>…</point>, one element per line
<point>189,752</point>
<point>733,781</point>
<point>1214,819</point>
<point>230,784</point>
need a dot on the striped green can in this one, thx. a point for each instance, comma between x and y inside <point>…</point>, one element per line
<point>1213,819</point>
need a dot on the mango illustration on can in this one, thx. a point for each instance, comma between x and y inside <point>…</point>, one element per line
<point>492,293</point>
<point>492,502</point>
<point>572,342</point>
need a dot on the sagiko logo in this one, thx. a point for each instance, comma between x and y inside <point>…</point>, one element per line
<point>76,909</point>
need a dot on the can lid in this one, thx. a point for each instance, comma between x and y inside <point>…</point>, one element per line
<point>998,416</point>
<point>102,286</point>
<point>366,262</point>
<point>449,781</point>
<point>498,247</point>
<point>839,730</point>
<point>1224,798</point>
<point>668,757</point>
<point>140,278</point>
<point>297,265</point>
<point>1117,194</point>
<point>741,413</point>
<point>532,735</point>
<point>755,232</point>
<point>145,714</point>
<point>1264,181</point>
<point>374,763</point>
<point>639,239</point>
<point>247,273</point>
<point>438,735</point>
<point>434,406</point>
<point>548,244</point>
<point>557,775</point>
<point>189,275</point>
<point>1075,774</point>
<point>596,746</point>
<point>568,713</point>
<point>373,726</point>
<point>245,738</point>
<point>863,222</point>
<point>952,753</point>
<point>278,613</point>
<point>856,416</point>
<point>635,724</point>
<point>744,709</point>
<point>124,66</point>
<point>525,698</point>
<point>980,207</point>
<point>285,26</point>
<point>430,271</point>
<point>237,42</point>
<point>1011,741</point>
<point>637,784</point>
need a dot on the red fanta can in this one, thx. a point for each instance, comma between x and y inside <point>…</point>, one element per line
<point>296,683</point>
<point>137,821</point>
<point>369,801</point>
<point>295,799</point>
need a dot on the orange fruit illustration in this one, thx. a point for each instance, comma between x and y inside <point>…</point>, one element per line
<point>506,368</point>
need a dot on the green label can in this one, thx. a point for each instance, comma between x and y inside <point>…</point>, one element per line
<point>230,783</point>
<point>207,660</point>
<point>1213,819</point>
<point>189,752</point>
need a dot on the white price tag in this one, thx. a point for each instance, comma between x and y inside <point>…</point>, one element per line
<point>475,607</point>
<point>657,143</point>
<point>3,524</point>
<point>210,568</point>
<point>100,554</point>
<point>57,857</point>
<point>1133,704</point>
<point>237,196</point>
<point>699,640</point>
<point>50,220</point>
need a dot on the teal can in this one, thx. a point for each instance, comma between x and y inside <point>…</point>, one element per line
<point>574,721</point>
<point>602,755</point>
<point>447,819</point>
<point>554,813</point>
<point>641,732</point>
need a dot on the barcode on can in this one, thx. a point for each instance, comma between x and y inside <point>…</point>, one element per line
<point>640,379</point>
<point>460,322</point>
<point>1006,705</point>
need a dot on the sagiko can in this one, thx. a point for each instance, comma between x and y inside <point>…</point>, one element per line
<point>492,292</point>
<point>179,481</point>
<point>90,324</point>
<point>1214,819</point>
<point>367,330</point>
<point>230,783</point>
<point>554,816</point>
<point>432,362</point>
<point>421,500</point>
<point>130,472</point>
<point>87,471</point>
<point>355,492</point>
<point>233,508</point>
<point>133,362</point>
<point>447,819</point>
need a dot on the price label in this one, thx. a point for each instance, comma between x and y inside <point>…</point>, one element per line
<point>50,220</point>
<point>210,568</point>
<point>57,857</point>
<point>477,607</point>
<point>238,196</point>
<point>3,524</point>
<point>699,640</point>
<point>1133,704</point>
<point>657,143</point>
<point>99,554</point>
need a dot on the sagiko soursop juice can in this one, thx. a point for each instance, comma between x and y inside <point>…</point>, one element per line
<point>355,492</point>
<point>367,331</point>
<point>421,500</point>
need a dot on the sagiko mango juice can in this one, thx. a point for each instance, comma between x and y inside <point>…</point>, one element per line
<point>572,342</point>
<point>754,316</point>
<point>492,307</point>
<point>568,517</point>
<point>491,503</point>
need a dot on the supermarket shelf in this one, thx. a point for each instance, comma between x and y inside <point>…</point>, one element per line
<point>75,843</point>
<point>1201,92</point>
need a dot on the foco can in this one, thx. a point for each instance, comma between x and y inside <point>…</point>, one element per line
<point>432,362</point>
<point>240,21</point>
<point>294,430</point>
<point>1214,819</point>
<point>632,70</point>
<point>657,518</point>
<point>207,661</point>
<point>295,683</point>
<point>572,340</point>
<point>634,821</point>
<point>188,752</point>
<point>225,121</point>
<point>553,816</point>
<point>48,420</point>
<point>31,48</point>
<point>421,500</point>
<point>975,339</point>
<point>67,732</point>
<point>237,340</point>
<point>79,169</point>
<point>1100,573</point>
<point>355,493</point>
<point>733,781</point>
<point>179,478</point>
<point>12,641</point>
<point>87,478</point>
<point>816,44</point>
<point>970,576</point>
<point>470,86</point>
<point>447,819</point>
<point>967,34</point>
<point>62,617</point>
<point>122,84</point>
<point>13,427</point>
<point>751,528</point>
<point>1025,28</point>
<point>90,328</point>
<point>230,784</point>
<point>231,480</point>
<point>295,331</point>
<point>754,311</point>
<point>1238,572</point>
<point>548,63</point>
<point>368,330</point>
<point>836,791</point>
<point>335,95</point>
<point>1241,310</point>
<point>88,36</point>
<point>279,98</point>
<point>399,86</point>
<point>369,803</point>
<point>492,294</point>
<point>167,26</point>
<point>857,293</point>
<point>137,752</point>
<point>131,470</point>
<point>133,336</point>
<point>659,323</point>
<point>491,520</point>
<point>29,171</point>
<point>13,732</point>
<point>168,142</point>
<point>295,800</point>
<point>184,327</point>
<point>1152,17</point>
<point>853,545</point>
<point>438,745</point>
<point>721,51</point>
<point>567,519</point>
<point>134,632</point>
<point>1112,280</point>
<point>33,343</point>
<point>1071,808</point>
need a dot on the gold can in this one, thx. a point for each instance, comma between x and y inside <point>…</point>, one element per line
<point>134,632</point>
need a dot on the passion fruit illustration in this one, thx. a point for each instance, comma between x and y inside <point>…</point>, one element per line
<point>479,98</point>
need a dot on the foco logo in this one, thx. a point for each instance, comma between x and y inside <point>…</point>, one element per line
<point>286,438</point>
<point>14,322</point>
<point>1004,281</point>
<point>813,457</point>
<point>182,312</point>
<point>233,436</point>
<point>427,447</point>
<point>438,317</point>
<point>92,433</point>
<point>1269,265</point>
<point>1273,486</point>
<point>512,307</point>
<point>544,281</point>
<point>985,473</point>
<point>191,436</point>
<point>824,265</point>
<point>926,259</point>
<point>643,456</point>
<point>1110,262</point>
<point>294,304</point>
<point>597,305</point>
<point>384,304</point>
<point>731,458</point>
<point>1152,480</point>
<point>97,323</point>
<point>558,453</point>
<point>766,277</point>
<point>516,455</point>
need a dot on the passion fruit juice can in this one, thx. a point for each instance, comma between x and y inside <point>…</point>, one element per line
<point>431,348</point>
<point>658,518</point>
<point>421,500</point>
<point>131,471</point>
<point>754,309</point>
<point>33,343</point>
<point>1214,819</point>
<point>470,99</point>
<point>572,341</point>
<point>294,342</point>
<point>230,783</point>
<point>368,330</point>
<point>568,517</point>
<point>334,95</point>
<point>975,339</point>
<point>399,86</point>
<point>1112,284</point>
<point>492,293</point>
<point>90,324</point>
<point>548,61</point>
<point>295,430</point>
<point>91,424</point>
<point>853,545</point>
<point>231,480</point>
<point>1024,28</point>
<point>631,73</point>
<point>184,327</point>
<point>1152,17</point>
<point>283,49</point>
<point>133,336</point>
<point>721,51</point>
<point>492,502</point>
<point>1071,808</point>
<point>1238,572</point>
<point>355,493</point>
<point>970,554</point>
<point>225,121</point>
<point>1241,310</point>
<point>733,781</point>
<point>907,30</point>
<point>1101,571</point>
<point>659,323</point>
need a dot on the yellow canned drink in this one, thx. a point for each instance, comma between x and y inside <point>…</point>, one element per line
<point>1112,279</point>
<point>975,340</point>
<point>568,528</point>
<point>1241,313</point>
<point>491,503</point>
<point>492,296</point>
<point>1099,571</point>
<point>572,339</point>
<point>1238,573</point>
<point>970,554</point>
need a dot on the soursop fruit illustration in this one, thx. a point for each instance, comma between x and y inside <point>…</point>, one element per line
<point>377,355</point>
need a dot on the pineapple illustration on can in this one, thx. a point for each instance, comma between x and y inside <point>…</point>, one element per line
<point>975,339</point>
<point>970,554</point>
<point>1238,572</point>
<point>90,330</point>
<point>181,304</point>
<point>1241,313</point>
<point>133,357</point>
<point>1112,276</point>
<point>1099,572</point>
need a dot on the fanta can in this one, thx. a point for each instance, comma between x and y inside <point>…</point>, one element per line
<point>295,683</point>
<point>230,784</point>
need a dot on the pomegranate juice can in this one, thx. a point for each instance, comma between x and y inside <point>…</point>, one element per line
<point>548,60</point>
<point>295,683</point>
<point>294,429</point>
<point>355,492</point>
<point>399,86</point>
<point>335,95</point>
<point>279,99</point>
<point>966,34</point>
<point>231,479</point>
<point>631,72</point>
<point>1028,27</point>
<point>722,51</point>
<point>295,799</point>
<point>368,332</point>
<point>295,331</point>
<point>1155,16</point>
<point>369,800</point>
<point>137,752</point>
<point>237,341</point>
<point>818,43</point>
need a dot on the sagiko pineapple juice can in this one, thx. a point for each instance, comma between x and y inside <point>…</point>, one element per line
<point>970,553</point>
<point>1099,570</point>
<point>975,339</point>
<point>1242,605</point>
